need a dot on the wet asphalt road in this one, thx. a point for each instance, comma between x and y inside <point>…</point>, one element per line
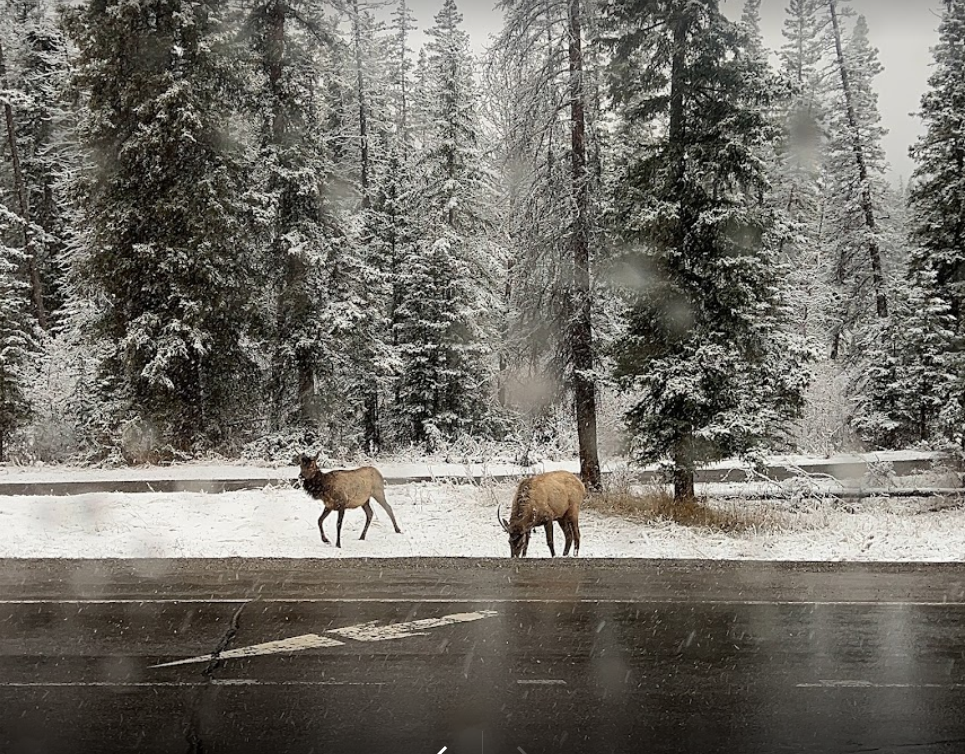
<point>563,656</point>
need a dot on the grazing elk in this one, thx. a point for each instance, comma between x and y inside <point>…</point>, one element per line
<point>342,490</point>
<point>540,500</point>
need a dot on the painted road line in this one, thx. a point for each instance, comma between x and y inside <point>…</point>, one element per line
<point>371,631</point>
<point>294,644</point>
<point>850,684</point>
<point>541,682</point>
<point>442,749</point>
<point>179,684</point>
<point>484,601</point>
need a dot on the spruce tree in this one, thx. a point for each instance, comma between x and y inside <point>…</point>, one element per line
<point>907,386</point>
<point>446,315</point>
<point>856,183</point>
<point>19,338</point>
<point>166,257</point>
<point>26,132</point>
<point>550,138</point>
<point>707,357</point>
<point>797,173</point>
<point>937,263</point>
<point>297,225</point>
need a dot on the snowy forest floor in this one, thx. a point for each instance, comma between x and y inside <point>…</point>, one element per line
<point>449,518</point>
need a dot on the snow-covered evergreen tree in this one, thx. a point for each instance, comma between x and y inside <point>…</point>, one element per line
<point>797,172</point>
<point>905,391</point>
<point>448,285</point>
<point>856,184</point>
<point>19,337</point>
<point>707,356</point>
<point>33,72</point>
<point>298,225</point>
<point>751,18</point>
<point>932,349</point>
<point>543,76</point>
<point>167,257</point>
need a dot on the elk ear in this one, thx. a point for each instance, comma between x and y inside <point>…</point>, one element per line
<point>316,456</point>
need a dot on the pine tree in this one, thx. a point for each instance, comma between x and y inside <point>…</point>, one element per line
<point>19,339</point>
<point>904,391</point>
<point>856,179</point>
<point>707,356</point>
<point>400,74</point>
<point>937,264</point>
<point>448,284</point>
<point>797,176</point>
<point>550,135</point>
<point>299,227</point>
<point>23,137</point>
<point>751,19</point>
<point>167,257</point>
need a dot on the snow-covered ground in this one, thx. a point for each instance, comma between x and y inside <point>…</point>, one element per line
<point>443,518</point>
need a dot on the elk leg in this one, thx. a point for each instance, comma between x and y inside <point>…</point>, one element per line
<point>321,519</point>
<point>379,496</point>
<point>567,528</point>
<point>575,527</point>
<point>368,518</point>
<point>525,544</point>
<point>338,533</point>
<point>549,538</point>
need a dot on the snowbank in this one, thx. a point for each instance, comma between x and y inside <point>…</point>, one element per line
<point>447,519</point>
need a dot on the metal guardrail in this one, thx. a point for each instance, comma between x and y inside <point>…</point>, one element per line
<point>841,471</point>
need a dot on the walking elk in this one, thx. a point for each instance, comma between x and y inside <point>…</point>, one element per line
<point>344,489</point>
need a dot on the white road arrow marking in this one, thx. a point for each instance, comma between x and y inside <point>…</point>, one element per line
<point>371,631</point>
<point>294,644</point>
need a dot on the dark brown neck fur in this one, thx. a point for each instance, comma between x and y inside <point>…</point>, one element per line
<point>315,486</point>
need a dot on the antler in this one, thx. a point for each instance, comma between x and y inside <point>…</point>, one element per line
<point>502,521</point>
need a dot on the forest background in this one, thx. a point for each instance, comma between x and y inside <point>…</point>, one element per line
<point>251,227</point>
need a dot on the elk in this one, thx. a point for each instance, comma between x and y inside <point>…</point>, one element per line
<point>344,489</point>
<point>540,500</point>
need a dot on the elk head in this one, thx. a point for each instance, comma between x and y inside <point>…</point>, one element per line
<point>517,540</point>
<point>309,465</point>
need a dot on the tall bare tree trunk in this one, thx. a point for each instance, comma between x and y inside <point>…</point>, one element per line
<point>682,454</point>
<point>370,419</point>
<point>275,17</point>
<point>403,88</point>
<point>867,204</point>
<point>20,189</point>
<point>581,327</point>
<point>363,105</point>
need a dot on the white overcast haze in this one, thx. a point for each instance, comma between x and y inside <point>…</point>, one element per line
<point>902,30</point>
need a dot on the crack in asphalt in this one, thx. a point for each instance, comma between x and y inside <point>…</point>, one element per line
<point>192,725</point>
<point>230,634</point>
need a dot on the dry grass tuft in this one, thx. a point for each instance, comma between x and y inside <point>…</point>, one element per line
<point>655,504</point>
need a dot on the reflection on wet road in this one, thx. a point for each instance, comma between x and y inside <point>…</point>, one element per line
<point>480,657</point>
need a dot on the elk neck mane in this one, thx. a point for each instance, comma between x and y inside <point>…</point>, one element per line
<point>317,484</point>
<point>522,498</point>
